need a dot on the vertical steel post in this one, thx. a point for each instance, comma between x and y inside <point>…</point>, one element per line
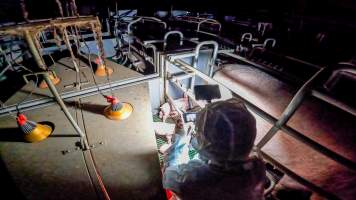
<point>210,63</point>
<point>53,89</point>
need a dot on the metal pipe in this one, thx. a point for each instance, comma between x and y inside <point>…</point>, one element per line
<point>269,40</point>
<point>207,33</point>
<point>53,89</point>
<point>67,42</point>
<point>334,102</point>
<point>108,27</point>
<point>243,59</point>
<point>39,103</point>
<point>66,111</point>
<point>180,76</point>
<point>162,81</point>
<point>171,33</point>
<point>131,23</point>
<point>330,83</point>
<point>146,42</point>
<point>191,53</point>
<point>298,178</point>
<point>212,59</point>
<point>249,35</point>
<point>290,109</point>
<point>209,21</point>
<point>319,148</point>
<point>154,49</point>
<point>60,8</point>
<point>303,62</point>
<point>145,18</point>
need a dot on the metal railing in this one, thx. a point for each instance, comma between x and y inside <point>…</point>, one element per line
<point>152,19</point>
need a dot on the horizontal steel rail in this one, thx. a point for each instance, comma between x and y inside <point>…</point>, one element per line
<point>334,102</point>
<point>43,102</point>
<point>298,178</point>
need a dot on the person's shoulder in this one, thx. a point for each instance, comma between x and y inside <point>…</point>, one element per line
<point>176,177</point>
<point>192,165</point>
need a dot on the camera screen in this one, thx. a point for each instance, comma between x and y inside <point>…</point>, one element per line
<point>190,116</point>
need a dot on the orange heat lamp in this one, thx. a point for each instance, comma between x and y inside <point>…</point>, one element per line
<point>53,77</point>
<point>117,110</point>
<point>101,69</point>
<point>33,132</point>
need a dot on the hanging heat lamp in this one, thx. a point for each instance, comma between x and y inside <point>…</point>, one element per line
<point>117,110</point>
<point>33,132</point>
<point>101,69</point>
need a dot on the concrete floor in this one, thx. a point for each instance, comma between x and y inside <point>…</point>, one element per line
<point>319,121</point>
<point>127,161</point>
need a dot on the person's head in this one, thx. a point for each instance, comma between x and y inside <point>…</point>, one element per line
<point>225,131</point>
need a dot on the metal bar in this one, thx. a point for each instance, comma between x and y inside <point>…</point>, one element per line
<point>300,137</point>
<point>210,62</point>
<point>145,18</point>
<point>180,76</point>
<point>151,41</point>
<point>245,60</point>
<point>298,178</point>
<point>39,103</point>
<point>39,25</point>
<point>67,42</point>
<point>269,40</point>
<point>66,111</point>
<point>207,33</point>
<point>303,62</point>
<point>209,21</point>
<point>334,102</point>
<point>171,33</point>
<point>154,49</point>
<point>333,79</point>
<point>290,109</point>
<point>53,89</point>
<point>319,148</point>
<point>186,54</point>
<point>162,81</point>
